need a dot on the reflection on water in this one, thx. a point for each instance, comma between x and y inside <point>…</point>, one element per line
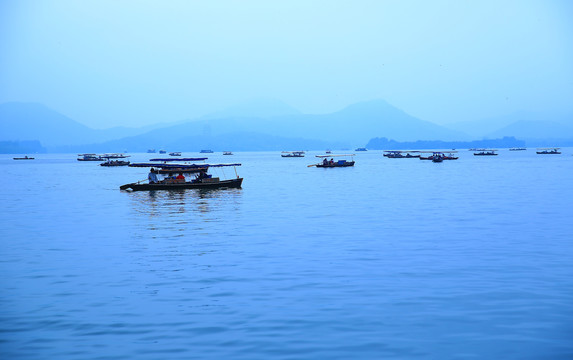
<point>179,209</point>
<point>390,259</point>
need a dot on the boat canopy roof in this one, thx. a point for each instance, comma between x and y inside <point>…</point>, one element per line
<point>438,151</point>
<point>169,166</point>
<point>222,165</point>
<point>401,151</point>
<point>180,159</point>
<point>485,150</point>
<point>333,155</point>
<point>180,166</point>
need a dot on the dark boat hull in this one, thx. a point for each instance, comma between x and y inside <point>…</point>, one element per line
<point>24,158</point>
<point>548,153</point>
<point>115,163</point>
<point>233,183</point>
<point>346,164</point>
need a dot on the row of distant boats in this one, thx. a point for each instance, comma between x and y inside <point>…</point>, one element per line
<point>205,151</point>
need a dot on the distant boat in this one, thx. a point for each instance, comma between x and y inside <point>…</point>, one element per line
<point>115,163</point>
<point>546,151</point>
<point>175,153</point>
<point>485,152</point>
<point>90,157</point>
<point>151,151</point>
<point>227,153</point>
<point>438,157</point>
<point>334,164</point>
<point>449,156</point>
<point>328,152</point>
<point>399,154</point>
<point>292,154</point>
<point>24,158</point>
<point>360,149</point>
<point>518,149</point>
<point>114,156</point>
<point>206,151</point>
<point>162,151</point>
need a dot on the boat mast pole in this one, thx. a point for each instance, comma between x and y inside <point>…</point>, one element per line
<point>235,168</point>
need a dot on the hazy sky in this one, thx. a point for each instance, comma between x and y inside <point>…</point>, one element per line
<point>133,63</point>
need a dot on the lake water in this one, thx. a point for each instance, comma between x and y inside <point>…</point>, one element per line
<point>394,258</point>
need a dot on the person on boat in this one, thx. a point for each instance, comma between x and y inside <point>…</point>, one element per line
<point>180,178</point>
<point>325,161</point>
<point>331,161</point>
<point>152,176</point>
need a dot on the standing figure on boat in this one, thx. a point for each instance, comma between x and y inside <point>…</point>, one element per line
<point>331,161</point>
<point>180,178</point>
<point>152,176</point>
<point>325,161</point>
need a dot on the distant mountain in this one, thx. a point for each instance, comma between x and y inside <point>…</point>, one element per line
<point>491,127</point>
<point>352,126</point>
<point>237,141</point>
<point>31,121</point>
<point>262,120</point>
<point>258,108</point>
<point>535,130</point>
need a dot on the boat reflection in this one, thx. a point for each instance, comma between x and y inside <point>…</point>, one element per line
<point>166,204</point>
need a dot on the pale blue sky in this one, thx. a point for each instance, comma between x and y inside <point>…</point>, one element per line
<point>133,63</point>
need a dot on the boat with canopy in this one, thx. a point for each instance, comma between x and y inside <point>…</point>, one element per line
<point>168,165</point>
<point>90,157</point>
<point>485,152</point>
<point>111,160</point>
<point>333,164</point>
<point>547,151</point>
<point>292,154</point>
<point>399,154</point>
<point>447,155</point>
<point>201,181</point>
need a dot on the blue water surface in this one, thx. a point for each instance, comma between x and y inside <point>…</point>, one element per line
<point>393,259</point>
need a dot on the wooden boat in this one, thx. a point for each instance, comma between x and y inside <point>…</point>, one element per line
<point>518,149</point>
<point>449,156</point>
<point>437,158</point>
<point>206,151</point>
<point>176,153</point>
<point>547,151</point>
<point>115,163</point>
<point>333,164</point>
<point>151,151</point>
<point>213,183</point>
<point>399,154</point>
<point>90,157</point>
<point>201,181</point>
<point>227,153</point>
<point>485,152</point>
<point>292,154</point>
<point>361,149</point>
<point>162,151</point>
<point>24,158</point>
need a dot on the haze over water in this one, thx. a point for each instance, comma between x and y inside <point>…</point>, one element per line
<point>394,258</point>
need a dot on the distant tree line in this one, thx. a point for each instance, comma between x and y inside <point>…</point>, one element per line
<point>387,144</point>
<point>21,147</point>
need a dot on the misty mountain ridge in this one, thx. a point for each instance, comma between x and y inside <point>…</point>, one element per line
<point>23,121</point>
<point>270,122</point>
<point>525,129</point>
<point>489,127</point>
<point>258,108</point>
